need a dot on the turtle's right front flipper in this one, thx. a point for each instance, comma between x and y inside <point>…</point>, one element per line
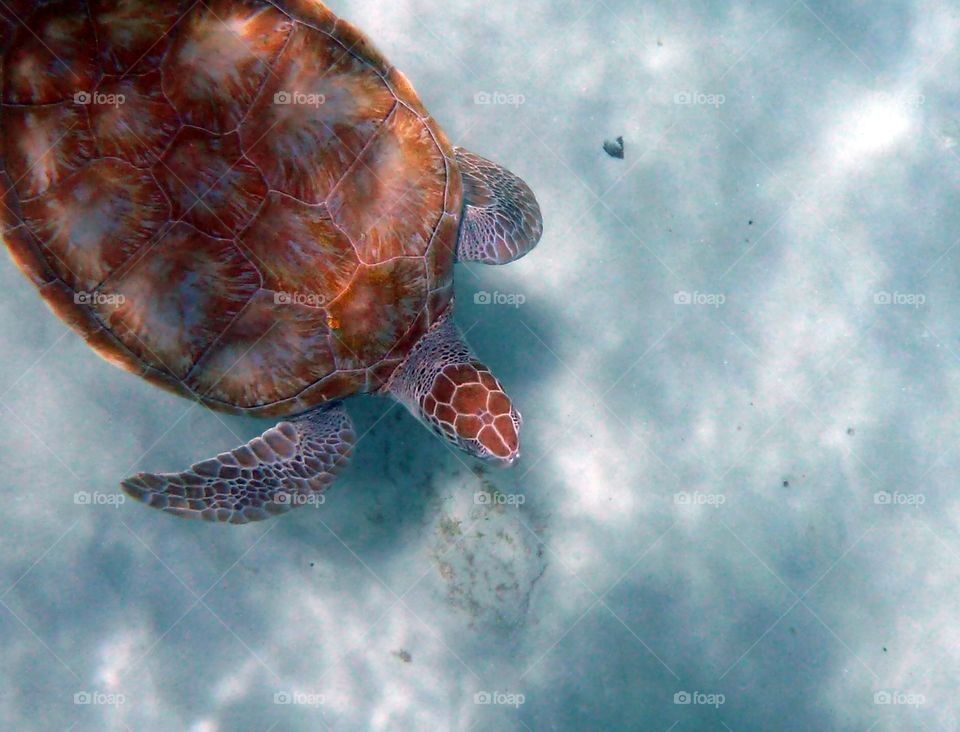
<point>271,474</point>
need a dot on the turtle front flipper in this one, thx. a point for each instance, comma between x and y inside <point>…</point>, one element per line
<point>451,392</point>
<point>501,217</point>
<point>288,466</point>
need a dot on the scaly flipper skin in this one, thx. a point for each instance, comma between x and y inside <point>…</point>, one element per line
<point>457,397</point>
<point>501,217</point>
<point>269,475</point>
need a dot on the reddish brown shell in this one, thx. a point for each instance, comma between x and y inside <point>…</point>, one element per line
<point>239,200</point>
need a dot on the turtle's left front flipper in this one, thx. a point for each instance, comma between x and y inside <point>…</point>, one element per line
<point>271,474</point>
<point>501,216</point>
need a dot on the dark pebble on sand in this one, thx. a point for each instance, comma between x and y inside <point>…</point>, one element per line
<point>614,149</point>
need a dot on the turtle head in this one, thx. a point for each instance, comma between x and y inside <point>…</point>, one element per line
<point>456,396</point>
<point>468,407</point>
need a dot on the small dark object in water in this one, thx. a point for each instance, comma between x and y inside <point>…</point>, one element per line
<point>786,484</point>
<point>403,655</point>
<point>614,149</point>
<point>850,431</point>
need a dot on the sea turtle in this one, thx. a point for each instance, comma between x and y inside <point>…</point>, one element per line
<point>243,202</point>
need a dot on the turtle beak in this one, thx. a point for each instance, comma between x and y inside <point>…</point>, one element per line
<point>510,438</point>
<point>502,462</point>
<point>509,461</point>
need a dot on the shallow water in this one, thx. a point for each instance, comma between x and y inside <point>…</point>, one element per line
<point>737,359</point>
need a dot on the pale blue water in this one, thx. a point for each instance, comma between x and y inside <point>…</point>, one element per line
<point>738,361</point>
